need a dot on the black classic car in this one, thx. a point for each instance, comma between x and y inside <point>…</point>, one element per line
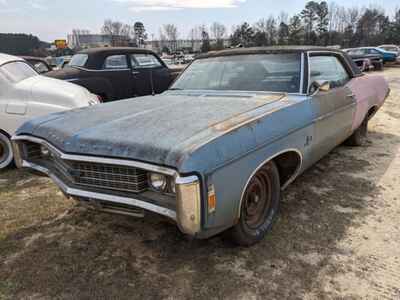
<point>366,58</point>
<point>118,73</point>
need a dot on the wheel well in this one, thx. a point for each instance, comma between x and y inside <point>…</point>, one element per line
<point>372,111</point>
<point>5,133</point>
<point>288,164</point>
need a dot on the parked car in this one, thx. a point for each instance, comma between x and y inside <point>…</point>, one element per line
<point>118,73</point>
<point>391,48</point>
<point>365,60</point>
<point>386,55</point>
<point>60,62</point>
<point>25,94</point>
<point>38,63</point>
<point>213,152</point>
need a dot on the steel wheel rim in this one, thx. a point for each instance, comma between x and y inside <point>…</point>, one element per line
<point>258,200</point>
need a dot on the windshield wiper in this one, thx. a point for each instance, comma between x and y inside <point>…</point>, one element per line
<point>175,89</point>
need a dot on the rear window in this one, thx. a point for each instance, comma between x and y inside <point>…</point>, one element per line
<point>78,60</point>
<point>145,61</point>
<point>17,71</point>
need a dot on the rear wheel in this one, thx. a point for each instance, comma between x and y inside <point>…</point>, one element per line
<point>379,66</point>
<point>259,207</point>
<point>6,153</point>
<point>359,136</point>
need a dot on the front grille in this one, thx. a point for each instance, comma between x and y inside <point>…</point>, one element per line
<point>112,177</point>
<point>91,174</point>
<point>32,150</point>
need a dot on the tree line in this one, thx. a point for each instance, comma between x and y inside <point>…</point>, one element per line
<point>322,24</point>
<point>318,23</point>
<point>22,44</point>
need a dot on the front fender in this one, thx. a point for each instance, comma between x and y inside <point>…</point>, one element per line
<point>229,161</point>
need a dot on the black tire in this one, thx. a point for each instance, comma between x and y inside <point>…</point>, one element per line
<point>359,136</point>
<point>379,66</point>
<point>259,207</point>
<point>6,152</point>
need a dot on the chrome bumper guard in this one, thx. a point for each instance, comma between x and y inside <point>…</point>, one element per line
<point>188,212</point>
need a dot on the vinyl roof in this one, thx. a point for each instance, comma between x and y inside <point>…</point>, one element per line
<point>110,50</point>
<point>262,50</point>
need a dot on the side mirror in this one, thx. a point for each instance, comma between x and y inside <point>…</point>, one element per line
<point>320,86</point>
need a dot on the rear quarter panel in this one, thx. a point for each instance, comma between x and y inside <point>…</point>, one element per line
<point>370,91</point>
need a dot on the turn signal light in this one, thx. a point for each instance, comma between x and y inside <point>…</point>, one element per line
<point>212,199</point>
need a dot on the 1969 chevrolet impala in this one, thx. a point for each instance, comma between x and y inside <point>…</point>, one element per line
<point>214,151</point>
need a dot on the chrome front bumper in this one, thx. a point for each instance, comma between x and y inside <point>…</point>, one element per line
<point>188,199</point>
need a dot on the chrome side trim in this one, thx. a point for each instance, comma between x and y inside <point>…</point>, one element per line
<point>95,159</point>
<point>291,179</point>
<point>99,196</point>
<point>101,70</point>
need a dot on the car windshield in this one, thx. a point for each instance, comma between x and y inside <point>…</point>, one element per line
<point>17,71</point>
<point>254,72</point>
<point>78,60</point>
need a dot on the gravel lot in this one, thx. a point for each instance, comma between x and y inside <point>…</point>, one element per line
<point>338,236</point>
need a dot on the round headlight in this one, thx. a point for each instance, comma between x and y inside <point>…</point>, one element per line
<point>158,181</point>
<point>44,151</point>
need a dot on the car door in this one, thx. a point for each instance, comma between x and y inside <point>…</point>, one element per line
<point>333,109</point>
<point>149,74</point>
<point>116,71</point>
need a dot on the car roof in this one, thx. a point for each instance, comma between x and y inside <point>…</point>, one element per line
<point>96,56</point>
<point>111,50</point>
<point>263,50</point>
<point>283,49</point>
<point>5,58</point>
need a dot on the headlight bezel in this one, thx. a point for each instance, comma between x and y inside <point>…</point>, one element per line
<point>167,186</point>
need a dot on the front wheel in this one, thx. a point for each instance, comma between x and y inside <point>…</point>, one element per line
<point>6,153</point>
<point>259,207</point>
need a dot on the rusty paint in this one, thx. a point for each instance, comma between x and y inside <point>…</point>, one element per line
<point>244,117</point>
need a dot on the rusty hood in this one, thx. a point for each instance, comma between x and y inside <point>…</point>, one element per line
<point>159,129</point>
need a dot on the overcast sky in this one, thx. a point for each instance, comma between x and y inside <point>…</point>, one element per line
<point>54,19</point>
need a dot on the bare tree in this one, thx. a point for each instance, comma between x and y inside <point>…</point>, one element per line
<point>217,31</point>
<point>195,34</point>
<point>118,32</point>
<point>170,32</point>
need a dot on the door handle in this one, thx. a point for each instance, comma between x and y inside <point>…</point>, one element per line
<point>351,96</point>
<point>135,72</point>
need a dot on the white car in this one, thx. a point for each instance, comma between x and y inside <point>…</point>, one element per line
<point>25,94</point>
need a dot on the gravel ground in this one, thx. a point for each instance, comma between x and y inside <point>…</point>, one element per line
<point>337,236</point>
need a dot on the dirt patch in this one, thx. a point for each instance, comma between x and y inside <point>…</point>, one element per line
<point>337,236</point>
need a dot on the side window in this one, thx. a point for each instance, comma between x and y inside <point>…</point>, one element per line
<point>328,68</point>
<point>144,61</point>
<point>41,67</point>
<point>116,62</point>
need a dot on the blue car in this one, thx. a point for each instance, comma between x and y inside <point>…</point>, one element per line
<point>214,151</point>
<point>387,56</point>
